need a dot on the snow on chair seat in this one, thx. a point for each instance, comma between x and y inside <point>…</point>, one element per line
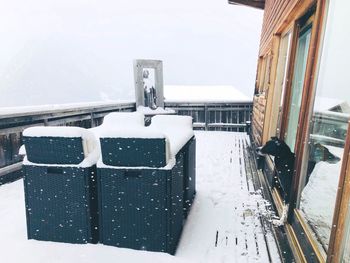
<point>141,147</point>
<point>124,119</point>
<point>60,145</point>
<point>177,128</point>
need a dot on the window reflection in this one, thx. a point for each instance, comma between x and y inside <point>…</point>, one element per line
<point>297,88</point>
<point>322,159</point>
<point>325,150</point>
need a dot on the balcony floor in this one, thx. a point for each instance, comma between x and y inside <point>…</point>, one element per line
<point>224,224</point>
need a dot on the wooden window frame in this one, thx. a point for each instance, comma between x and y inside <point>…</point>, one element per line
<point>271,99</point>
<point>292,23</point>
<point>341,206</point>
<point>308,93</point>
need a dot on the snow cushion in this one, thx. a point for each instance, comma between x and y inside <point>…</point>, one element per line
<point>130,147</point>
<point>172,121</point>
<point>60,145</point>
<point>177,128</point>
<point>122,119</point>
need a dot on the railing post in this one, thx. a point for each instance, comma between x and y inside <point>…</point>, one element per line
<point>92,120</point>
<point>206,116</point>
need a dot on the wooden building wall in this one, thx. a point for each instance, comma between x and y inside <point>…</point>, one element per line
<point>275,14</point>
<point>278,15</point>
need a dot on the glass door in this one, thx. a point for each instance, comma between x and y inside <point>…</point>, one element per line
<point>328,125</point>
<point>297,86</point>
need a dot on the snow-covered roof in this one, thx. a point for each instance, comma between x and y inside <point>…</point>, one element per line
<point>327,104</point>
<point>203,93</point>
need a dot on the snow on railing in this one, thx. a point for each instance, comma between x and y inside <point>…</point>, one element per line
<point>14,120</point>
<point>216,116</point>
<point>219,116</point>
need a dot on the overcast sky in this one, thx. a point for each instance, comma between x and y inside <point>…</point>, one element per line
<point>79,50</point>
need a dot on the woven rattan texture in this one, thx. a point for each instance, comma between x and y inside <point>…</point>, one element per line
<point>189,174</point>
<point>54,150</point>
<point>138,208</point>
<point>58,202</point>
<point>131,152</point>
<point>177,216</point>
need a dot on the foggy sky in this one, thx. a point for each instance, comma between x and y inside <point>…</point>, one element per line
<point>77,50</point>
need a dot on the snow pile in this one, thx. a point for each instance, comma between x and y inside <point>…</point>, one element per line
<point>177,128</point>
<point>90,144</point>
<point>122,119</point>
<point>204,94</point>
<point>319,195</point>
<point>171,122</point>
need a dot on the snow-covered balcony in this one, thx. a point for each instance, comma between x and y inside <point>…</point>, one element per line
<point>230,221</point>
<point>227,222</point>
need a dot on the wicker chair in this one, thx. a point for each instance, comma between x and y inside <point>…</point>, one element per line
<point>141,191</point>
<point>179,128</point>
<point>60,184</point>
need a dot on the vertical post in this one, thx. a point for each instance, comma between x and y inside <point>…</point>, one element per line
<point>206,116</point>
<point>92,120</point>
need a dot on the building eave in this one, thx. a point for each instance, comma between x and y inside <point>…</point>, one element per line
<point>260,4</point>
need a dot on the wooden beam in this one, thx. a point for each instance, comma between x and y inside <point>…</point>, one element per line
<point>260,4</point>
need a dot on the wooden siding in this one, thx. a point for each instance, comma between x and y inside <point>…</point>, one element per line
<point>277,16</point>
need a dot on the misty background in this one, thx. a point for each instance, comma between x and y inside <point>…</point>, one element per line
<point>77,50</point>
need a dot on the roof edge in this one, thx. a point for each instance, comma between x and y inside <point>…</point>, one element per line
<point>260,4</point>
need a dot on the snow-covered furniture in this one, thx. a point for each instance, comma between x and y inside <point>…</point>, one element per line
<point>121,119</point>
<point>149,113</point>
<point>141,187</point>
<point>134,147</point>
<point>180,132</point>
<point>60,184</point>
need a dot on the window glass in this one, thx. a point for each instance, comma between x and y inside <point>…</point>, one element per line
<point>297,86</point>
<point>328,128</point>
<point>280,83</point>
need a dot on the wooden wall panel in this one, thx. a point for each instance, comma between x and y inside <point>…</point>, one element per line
<point>277,15</point>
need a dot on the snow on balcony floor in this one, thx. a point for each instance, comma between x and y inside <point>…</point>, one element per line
<point>223,225</point>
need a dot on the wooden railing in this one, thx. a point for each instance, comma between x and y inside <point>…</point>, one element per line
<point>13,122</point>
<point>216,116</point>
<point>206,116</point>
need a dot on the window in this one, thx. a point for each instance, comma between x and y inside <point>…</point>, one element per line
<point>280,84</point>
<point>297,85</point>
<point>323,153</point>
